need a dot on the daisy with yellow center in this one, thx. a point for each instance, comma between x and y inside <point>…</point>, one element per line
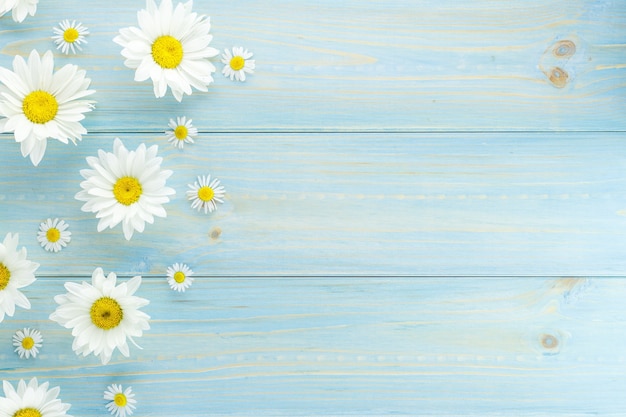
<point>38,103</point>
<point>27,342</point>
<point>204,194</point>
<point>32,400</point>
<point>125,187</point>
<point>237,63</point>
<point>121,402</point>
<point>18,8</point>
<point>16,272</point>
<point>181,132</point>
<point>102,315</point>
<point>69,36</point>
<point>53,235</point>
<point>171,47</point>
<point>179,276</point>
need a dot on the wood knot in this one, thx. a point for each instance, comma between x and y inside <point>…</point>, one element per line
<point>558,62</point>
<point>550,343</point>
<point>564,49</point>
<point>558,77</point>
<point>215,233</point>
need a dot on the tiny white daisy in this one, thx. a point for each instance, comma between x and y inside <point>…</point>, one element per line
<point>15,272</point>
<point>68,36</point>
<point>204,194</point>
<point>182,131</point>
<point>122,402</point>
<point>27,342</point>
<point>38,103</point>
<point>102,315</point>
<point>32,400</point>
<point>171,47</point>
<point>237,63</point>
<point>53,235</point>
<point>179,277</point>
<point>125,186</point>
<point>19,8</point>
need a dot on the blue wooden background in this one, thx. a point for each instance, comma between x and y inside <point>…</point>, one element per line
<point>415,205</point>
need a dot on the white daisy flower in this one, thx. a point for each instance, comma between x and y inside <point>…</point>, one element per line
<point>68,36</point>
<point>179,277</point>
<point>32,400</point>
<point>125,186</point>
<point>102,315</point>
<point>27,342</point>
<point>53,235</point>
<point>205,194</point>
<point>19,8</point>
<point>182,131</point>
<point>237,63</point>
<point>122,402</point>
<point>15,272</point>
<point>38,103</point>
<point>171,47</point>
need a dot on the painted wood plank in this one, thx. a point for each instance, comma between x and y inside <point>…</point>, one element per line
<point>353,204</point>
<point>346,346</point>
<point>369,66</point>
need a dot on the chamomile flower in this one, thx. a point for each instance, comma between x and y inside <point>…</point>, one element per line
<point>122,402</point>
<point>27,342</point>
<point>19,8</point>
<point>68,36</point>
<point>182,131</point>
<point>15,272</point>
<point>171,47</point>
<point>32,400</point>
<point>179,277</point>
<point>38,103</point>
<point>102,315</point>
<point>125,186</point>
<point>237,63</point>
<point>205,194</point>
<point>53,235</point>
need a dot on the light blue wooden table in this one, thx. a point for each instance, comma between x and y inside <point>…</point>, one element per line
<point>425,213</point>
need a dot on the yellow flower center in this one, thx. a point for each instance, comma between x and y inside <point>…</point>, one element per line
<point>167,51</point>
<point>53,234</point>
<point>28,343</point>
<point>237,63</point>
<point>206,193</point>
<point>179,276</point>
<point>27,412</point>
<point>5,275</point>
<point>127,190</point>
<point>180,132</point>
<point>70,35</point>
<point>106,313</point>
<point>40,107</point>
<point>120,399</point>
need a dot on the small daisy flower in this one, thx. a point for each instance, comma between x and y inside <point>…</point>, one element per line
<point>182,131</point>
<point>205,194</point>
<point>171,47</point>
<point>15,272</point>
<point>19,8</point>
<point>27,342</point>
<point>53,235</point>
<point>125,186</point>
<point>32,400</point>
<point>179,277</point>
<point>237,63</point>
<point>68,36</point>
<point>102,315</point>
<point>38,103</point>
<point>122,403</point>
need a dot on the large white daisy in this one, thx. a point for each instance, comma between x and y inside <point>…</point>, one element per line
<point>38,103</point>
<point>125,186</point>
<point>102,315</point>
<point>19,8</point>
<point>32,400</point>
<point>171,47</point>
<point>15,272</point>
